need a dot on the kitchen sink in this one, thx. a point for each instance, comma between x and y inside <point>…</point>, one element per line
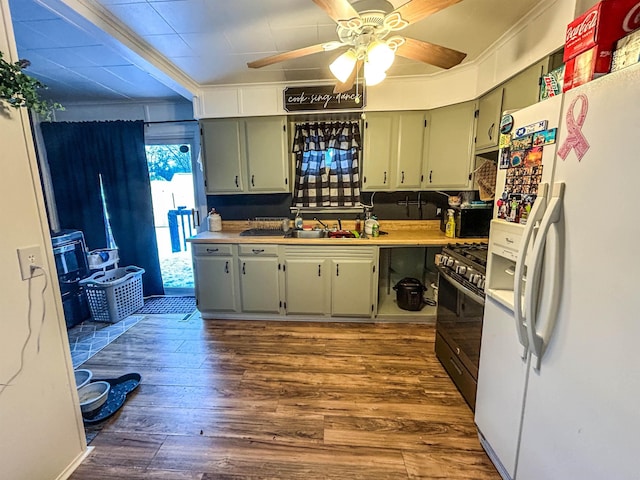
<point>308,234</point>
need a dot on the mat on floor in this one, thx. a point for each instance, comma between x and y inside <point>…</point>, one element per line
<point>168,304</point>
<point>89,337</point>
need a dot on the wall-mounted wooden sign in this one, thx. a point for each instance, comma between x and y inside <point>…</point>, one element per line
<point>315,98</point>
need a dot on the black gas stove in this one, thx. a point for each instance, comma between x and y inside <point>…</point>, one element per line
<point>466,263</point>
<point>461,279</point>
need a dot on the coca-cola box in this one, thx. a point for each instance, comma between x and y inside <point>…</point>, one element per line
<point>591,38</point>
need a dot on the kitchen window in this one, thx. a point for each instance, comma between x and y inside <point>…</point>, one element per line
<point>327,164</point>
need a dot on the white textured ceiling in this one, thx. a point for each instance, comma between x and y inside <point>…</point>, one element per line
<point>211,41</point>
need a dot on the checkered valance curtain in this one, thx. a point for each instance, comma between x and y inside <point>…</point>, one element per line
<point>327,172</point>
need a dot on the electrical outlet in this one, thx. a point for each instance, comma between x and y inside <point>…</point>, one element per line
<point>28,257</point>
<point>438,212</point>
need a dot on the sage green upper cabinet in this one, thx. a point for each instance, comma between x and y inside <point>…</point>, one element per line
<point>408,172</point>
<point>267,158</point>
<point>523,89</point>
<point>392,158</point>
<point>448,150</point>
<point>245,155</point>
<point>380,140</point>
<point>223,147</point>
<point>518,92</point>
<point>488,126</point>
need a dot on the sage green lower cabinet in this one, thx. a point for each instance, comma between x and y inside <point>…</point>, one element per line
<point>255,279</point>
<point>215,278</point>
<point>258,271</point>
<point>331,281</point>
<point>352,287</point>
<point>307,284</point>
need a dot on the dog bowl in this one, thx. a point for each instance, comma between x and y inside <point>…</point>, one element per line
<point>82,377</point>
<point>93,395</point>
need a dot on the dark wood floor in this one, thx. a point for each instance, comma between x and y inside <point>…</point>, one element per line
<point>283,400</point>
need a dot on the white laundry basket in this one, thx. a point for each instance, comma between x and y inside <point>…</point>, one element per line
<point>114,294</point>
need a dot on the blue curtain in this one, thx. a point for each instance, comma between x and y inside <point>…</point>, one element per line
<point>78,153</point>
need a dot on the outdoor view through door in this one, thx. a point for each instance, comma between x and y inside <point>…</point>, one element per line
<point>173,197</point>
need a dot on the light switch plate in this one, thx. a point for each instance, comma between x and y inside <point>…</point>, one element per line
<point>28,257</point>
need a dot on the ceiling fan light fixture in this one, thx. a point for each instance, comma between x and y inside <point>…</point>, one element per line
<point>372,74</point>
<point>342,66</point>
<point>380,55</point>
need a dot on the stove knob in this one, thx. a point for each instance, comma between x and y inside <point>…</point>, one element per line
<point>461,269</point>
<point>480,283</point>
<point>473,278</point>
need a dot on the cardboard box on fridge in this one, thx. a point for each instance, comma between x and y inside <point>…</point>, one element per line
<point>627,51</point>
<point>585,67</point>
<point>551,83</point>
<point>601,26</point>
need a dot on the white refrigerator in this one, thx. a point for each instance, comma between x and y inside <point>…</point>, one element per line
<point>559,378</point>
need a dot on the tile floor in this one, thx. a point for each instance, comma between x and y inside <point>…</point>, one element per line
<point>89,337</point>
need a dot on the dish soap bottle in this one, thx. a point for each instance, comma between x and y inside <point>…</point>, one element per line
<point>215,221</point>
<point>450,228</point>
<point>297,223</point>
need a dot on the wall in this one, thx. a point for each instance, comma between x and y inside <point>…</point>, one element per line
<point>41,431</point>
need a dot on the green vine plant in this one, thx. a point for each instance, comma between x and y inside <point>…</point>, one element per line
<point>17,89</point>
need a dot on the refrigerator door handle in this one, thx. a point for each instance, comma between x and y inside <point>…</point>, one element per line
<point>537,341</point>
<point>533,219</point>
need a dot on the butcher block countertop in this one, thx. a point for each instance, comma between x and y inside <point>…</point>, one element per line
<point>400,233</point>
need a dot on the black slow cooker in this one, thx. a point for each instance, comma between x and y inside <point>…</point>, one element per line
<point>409,294</point>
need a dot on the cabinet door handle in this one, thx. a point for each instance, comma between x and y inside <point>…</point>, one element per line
<point>402,179</point>
<point>430,176</point>
<point>384,179</point>
<point>319,270</point>
<point>337,269</point>
<point>226,267</point>
<point>212,250</point>
<point>253,184</point>
<point>237,184</point>
<point>243,269</point>
<point>490,132</point>
<point>257,250</point>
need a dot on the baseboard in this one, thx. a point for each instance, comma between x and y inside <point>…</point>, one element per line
<point>66,473</point>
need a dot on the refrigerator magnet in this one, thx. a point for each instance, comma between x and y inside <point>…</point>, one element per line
<point>505,158</point>
<point>504,140</point>
<point>529,129</point>
<point>522,143</point>
<point>545,137</point>
<point>516,157</point>
<point>506,124</point>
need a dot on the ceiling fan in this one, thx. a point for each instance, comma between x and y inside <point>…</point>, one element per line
<point>366,29</point>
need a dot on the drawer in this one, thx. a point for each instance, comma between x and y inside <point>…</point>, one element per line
<point>208,249</point>
<point>258,249</point>
<point>463,379</point>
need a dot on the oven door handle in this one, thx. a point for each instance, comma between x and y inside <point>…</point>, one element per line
<point>461,288</point>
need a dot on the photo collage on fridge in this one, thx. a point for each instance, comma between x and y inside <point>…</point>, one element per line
<point>521,155</point>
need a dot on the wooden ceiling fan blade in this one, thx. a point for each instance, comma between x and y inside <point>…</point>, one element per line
<point>342,87</point>
<point>337,9</point>
<point>281,57</point>
<point>430,53</point>
<point>416,10</point>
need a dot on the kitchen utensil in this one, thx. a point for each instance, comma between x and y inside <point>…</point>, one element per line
<point>409,294</point>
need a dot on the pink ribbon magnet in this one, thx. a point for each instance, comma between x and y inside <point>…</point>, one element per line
<point>575,139</point>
